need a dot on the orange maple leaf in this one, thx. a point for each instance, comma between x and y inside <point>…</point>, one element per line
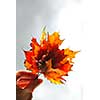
<point>46,58</point>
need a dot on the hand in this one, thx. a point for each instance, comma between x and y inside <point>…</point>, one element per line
<point>26,82</point>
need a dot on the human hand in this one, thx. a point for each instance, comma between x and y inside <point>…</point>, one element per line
<point>26,82</point>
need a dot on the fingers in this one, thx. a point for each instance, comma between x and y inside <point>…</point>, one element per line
<point>26,74</point>
<point>27,81</point>
<point>23,78</point>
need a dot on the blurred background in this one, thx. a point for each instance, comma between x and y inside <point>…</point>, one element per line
<point>70,18</point>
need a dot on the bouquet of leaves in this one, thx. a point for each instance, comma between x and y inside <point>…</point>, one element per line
<point>46,58</point>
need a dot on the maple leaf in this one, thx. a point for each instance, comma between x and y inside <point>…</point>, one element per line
<point>46,58</point>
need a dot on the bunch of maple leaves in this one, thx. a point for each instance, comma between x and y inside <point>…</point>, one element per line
<point>46,58</point>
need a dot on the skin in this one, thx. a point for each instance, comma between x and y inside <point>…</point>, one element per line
<point>26,83</point>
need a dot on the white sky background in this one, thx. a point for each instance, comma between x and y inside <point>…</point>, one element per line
<point>78,21</point>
